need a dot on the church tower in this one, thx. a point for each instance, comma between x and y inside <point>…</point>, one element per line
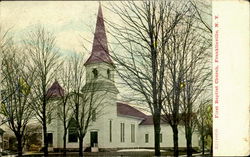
<point>100,82</point>
<point>99,66</point>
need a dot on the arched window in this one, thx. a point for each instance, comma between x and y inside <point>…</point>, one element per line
<point>95,73</point>
<point>108,73</point>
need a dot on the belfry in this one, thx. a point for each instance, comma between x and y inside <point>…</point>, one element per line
<point>99,66</point>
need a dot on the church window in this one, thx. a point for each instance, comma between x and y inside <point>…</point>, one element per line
<point>132,133</point>
<point>72,135</point>
<point>93,115</point>
<point>146,138</point>
<point>95,73</point>
<point>160,138</point>
<point>122,132</point>
<point>110,130</point>
<point>108,73</point>
<point>50,139</point>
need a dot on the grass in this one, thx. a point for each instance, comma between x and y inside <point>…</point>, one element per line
<point>107,154</point>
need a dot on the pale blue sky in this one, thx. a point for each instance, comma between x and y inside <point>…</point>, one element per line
<point>70,21</point>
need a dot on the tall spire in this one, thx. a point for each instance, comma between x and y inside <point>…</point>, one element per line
<point>100,51</point>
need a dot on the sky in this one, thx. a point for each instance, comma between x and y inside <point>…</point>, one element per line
<point>71,22</point>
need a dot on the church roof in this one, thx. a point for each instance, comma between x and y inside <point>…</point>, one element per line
<point>100,52</point>
<point>164,119</point>
<point>55,90</point>
<point>149,121</point>
<point>127,110</point>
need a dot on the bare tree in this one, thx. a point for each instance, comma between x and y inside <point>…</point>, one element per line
<point>203,16</point>
<point>16,93</point>
<point>6,42</point>
<point>64,111</point>
<point>77,85</point>
<point>205,124</point>
<point>44,58</point>
<point>187,76</point>
<point>195,88</point>
<point>196,85</point>
<point>87,100</point>
<point>33,137</point>
<point>175,71</point>
<point>142,42</point>
<point>203,10</point>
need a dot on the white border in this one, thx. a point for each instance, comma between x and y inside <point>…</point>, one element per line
<point>231,112</point>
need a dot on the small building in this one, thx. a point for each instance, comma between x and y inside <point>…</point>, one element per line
<point>120,125</point>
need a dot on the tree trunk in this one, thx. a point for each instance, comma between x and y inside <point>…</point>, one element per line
<point>45,139</point>
<point>211,149</point>
<point>189,141</point>
<point>175,139</point>
<point>64,142</point>
<point>157,130</point>
<point>202,137</point>
<point>203,144</point>
<point>80,146</point>
<point>19,145</point>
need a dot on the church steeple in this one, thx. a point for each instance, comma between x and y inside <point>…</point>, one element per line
<point>99,66</point>
<point>100,52</point>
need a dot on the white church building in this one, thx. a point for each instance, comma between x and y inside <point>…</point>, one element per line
<point>121,126</point>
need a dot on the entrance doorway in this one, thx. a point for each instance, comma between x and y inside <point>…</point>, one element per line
<point>50,139</point>
<point>94,139</point>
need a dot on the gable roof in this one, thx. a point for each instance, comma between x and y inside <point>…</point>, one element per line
<point>55,90</point>
<point>127,110</point>
<point>100,51</point>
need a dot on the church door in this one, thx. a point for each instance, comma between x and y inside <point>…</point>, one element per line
<point>94,138</point>
<point>50,139</point>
